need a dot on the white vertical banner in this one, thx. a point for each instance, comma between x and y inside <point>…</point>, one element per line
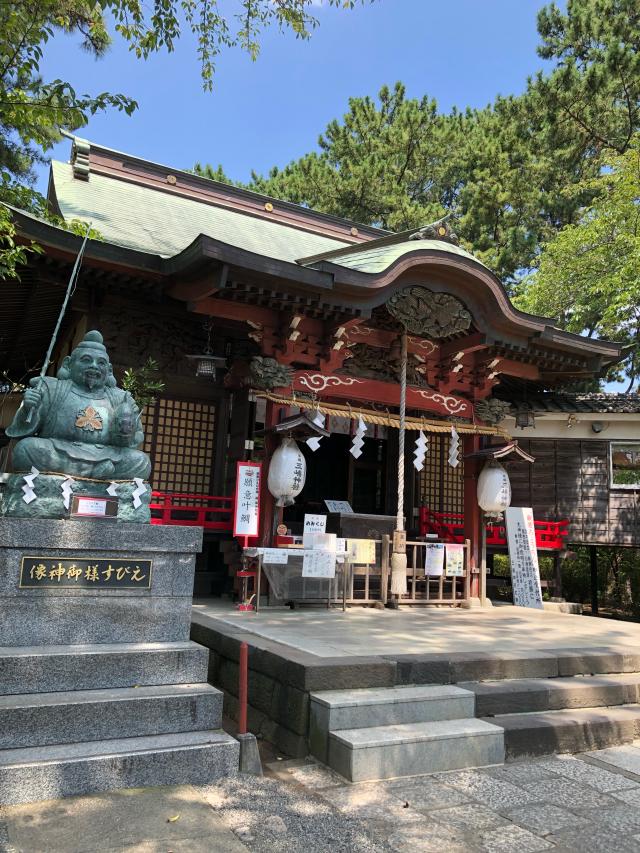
<point>523,555</point>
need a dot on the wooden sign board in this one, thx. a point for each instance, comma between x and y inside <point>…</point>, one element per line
<point>523,556</point>
<point>246,512</point>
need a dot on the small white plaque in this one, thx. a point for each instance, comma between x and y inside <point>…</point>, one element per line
<point>91,506</point>
<point>338,506</point>
<point>319,564</point>
<point>275,556</point>
<point>455,560</point>
<point>362,551</point>
<point>312,524</point>
<point>434,559</point>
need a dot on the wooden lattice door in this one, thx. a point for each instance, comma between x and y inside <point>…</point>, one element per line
<point>180,439</point>
<point>441,487</point>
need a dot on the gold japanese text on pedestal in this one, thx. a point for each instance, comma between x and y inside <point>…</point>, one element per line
<point>86,573</point>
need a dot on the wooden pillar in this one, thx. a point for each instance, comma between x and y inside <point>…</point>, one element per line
<point>593,561</point>
<point>472,512</point>
<point>270,514</point>
<point>557,576</point>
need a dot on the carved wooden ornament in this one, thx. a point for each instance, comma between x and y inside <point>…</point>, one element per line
<point>425,313</point>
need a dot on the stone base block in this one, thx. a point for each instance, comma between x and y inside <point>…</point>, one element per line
<point>44,669</point>
<point>85,715</point>
<point>568,731</point>
<point>336,710</point>
<point>59,610</point>
<point>387,752</point>
<point>48,773</point>
<point>49,502</point>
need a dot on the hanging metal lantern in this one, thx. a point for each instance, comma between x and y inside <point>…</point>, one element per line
<point>494,488</point>
<point>525,418</point>
<point>206,362</point>
<point>287,473</point>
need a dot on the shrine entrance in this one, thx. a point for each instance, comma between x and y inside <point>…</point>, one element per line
<point>334,474</point>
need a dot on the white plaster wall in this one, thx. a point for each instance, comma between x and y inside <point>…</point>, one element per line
<point>615,427</point>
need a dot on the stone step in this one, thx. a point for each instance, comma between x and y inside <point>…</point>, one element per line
<point>41,669</point>
<point>50,772</point>
<point>38,719</point>
<point>410,749</point>
<point>553,694</point>
<point>459,667</point>
<point>335,710</point>
<point>574,730</point>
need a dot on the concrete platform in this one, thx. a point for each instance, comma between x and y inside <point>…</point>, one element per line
<point>421,630</point>
<point>293,654</point>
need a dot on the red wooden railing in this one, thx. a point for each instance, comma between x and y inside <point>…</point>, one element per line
<point>212,512</point>
<point>550,535</point>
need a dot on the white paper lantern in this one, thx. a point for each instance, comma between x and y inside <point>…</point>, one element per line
<point>494,488</point>
<point>287,473</point>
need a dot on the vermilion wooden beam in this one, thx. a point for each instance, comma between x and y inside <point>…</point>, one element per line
<point>347,387</point>
<point>518,368</point>
<point>470,343</point>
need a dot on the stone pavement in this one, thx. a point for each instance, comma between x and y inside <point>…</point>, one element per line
<point>421,630</point>
<point>589,803</point>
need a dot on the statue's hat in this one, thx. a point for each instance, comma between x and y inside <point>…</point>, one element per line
<point>93,341</point>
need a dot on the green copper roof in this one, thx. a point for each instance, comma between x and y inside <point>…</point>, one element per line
<point>164,224</point>
<point>378,258</point>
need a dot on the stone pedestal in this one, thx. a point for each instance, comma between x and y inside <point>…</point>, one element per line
<point>49,502</point>
<point>100,686</point>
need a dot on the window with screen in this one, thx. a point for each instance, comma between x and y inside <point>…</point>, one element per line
<point>180,439</point>
<point>441,486</point>
<point>625,465</point>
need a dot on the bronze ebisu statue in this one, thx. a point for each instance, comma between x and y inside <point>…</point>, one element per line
<point>78,425</point>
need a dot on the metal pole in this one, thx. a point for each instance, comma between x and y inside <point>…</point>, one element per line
<point>70,287</point>
<point>483,561</point>
<point>593,560</point>
<point>243,688</point>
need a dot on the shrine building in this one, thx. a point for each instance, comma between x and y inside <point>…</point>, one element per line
<point>258,310</point>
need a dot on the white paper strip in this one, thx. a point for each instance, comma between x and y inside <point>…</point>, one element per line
<point>113,490</point>
<point>67,487</point>
<point>358,439</point>
<point>29,494</point>
<point>139,490</point>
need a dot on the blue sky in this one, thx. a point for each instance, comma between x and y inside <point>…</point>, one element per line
<point>268,112</point>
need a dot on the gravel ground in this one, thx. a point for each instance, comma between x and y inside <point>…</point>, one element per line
<point>271,816</point>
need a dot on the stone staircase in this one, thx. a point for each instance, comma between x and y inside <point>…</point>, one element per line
<point>383,733</point>
<point>576,701</point>
<point>87,718</point>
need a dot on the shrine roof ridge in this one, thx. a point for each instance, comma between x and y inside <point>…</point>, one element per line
<point>591,402</point>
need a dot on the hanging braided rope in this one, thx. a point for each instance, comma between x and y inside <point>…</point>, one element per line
<point>401,428</point>
<point>381,418</point>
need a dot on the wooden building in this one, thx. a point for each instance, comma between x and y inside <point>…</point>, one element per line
<point>306,309</point>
